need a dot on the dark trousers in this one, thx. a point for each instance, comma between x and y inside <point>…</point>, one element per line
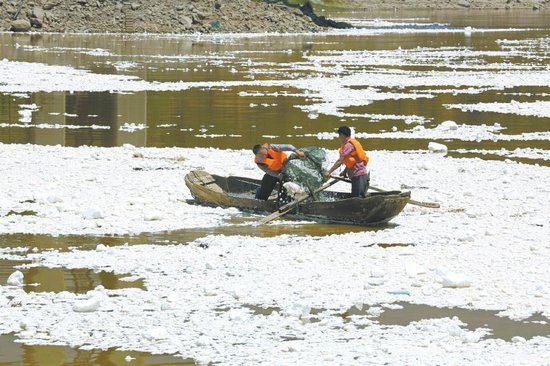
<point>268,184</point>
<point>359,186</point>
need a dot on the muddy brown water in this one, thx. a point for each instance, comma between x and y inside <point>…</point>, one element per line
<point>179,118</point>
<point>498,327</point>
<point>183,118</point>
<point>16,354</point>
<point>81,280</point>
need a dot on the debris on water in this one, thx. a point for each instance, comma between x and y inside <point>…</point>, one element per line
<point>448,126</point>
<point>87,306</point>
<point>156,333</point>
<point>92,303</point>
<point>399,292</point>
<point>92,214</point>
<point>129,358</point>
<point>451,279</point>
<point>16,279</point>
<point>435,147</point>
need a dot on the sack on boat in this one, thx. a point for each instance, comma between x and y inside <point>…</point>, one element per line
<point>307,172</point>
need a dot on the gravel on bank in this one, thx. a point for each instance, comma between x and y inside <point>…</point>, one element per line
<point>161,16</point>
<point>204,16</point>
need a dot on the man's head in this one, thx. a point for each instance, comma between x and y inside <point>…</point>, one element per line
<point>344,132</point>
<point>256,148</point>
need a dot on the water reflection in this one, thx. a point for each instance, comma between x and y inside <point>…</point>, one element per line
<point>235,226</point>
<point>79,280</point>
<point>13,354</point>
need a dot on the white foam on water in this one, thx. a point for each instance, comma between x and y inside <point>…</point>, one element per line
<point>485,248</point>
<point>536,109</point>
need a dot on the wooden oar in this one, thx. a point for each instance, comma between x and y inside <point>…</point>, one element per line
<point>289,206</point>
<point>412,202</point>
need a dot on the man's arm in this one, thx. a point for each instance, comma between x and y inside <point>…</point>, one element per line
<point>335,166</point>
<point>282,147</point>
<point>348,149</point>
<point>288,147</point>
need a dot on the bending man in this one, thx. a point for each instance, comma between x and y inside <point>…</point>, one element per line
<point>271,159</point>
<point>355,159</point>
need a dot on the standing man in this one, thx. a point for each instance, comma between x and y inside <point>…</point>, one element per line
<point>355,159</point>
<point>271,159</point>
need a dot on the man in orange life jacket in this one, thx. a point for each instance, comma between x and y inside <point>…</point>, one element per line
<point>271,159</point>
<point>355,159</point>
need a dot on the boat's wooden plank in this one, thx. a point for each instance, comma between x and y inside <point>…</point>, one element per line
<point>206,180</point>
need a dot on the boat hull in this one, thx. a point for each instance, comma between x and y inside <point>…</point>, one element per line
<point>336,207</point>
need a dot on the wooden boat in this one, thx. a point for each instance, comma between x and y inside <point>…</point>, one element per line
<point>335,207</point>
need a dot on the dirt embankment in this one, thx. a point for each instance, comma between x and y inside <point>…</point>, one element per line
<point>158,16</point>
<point>205,16</point>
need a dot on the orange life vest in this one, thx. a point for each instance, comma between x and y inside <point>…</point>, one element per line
<point>357,155</point>
<point>272,159</point>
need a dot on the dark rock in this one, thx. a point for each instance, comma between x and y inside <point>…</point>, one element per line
<point>196,19</point>
<point>11,10</point>
<point>20,25</point>
<point>37,23</point>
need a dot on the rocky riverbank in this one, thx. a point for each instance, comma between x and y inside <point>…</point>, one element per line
<point>160,16</point>
<point>205,16</point>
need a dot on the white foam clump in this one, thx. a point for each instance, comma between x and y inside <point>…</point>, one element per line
<point>295,190</point>
<point>54,199</point>
<point>436,147</point>
<point>537,109</point>
<point>448,126</point>
<point>92,303</point>
<point>451,279</point>
<point>26,112</point>
<point>101,247</point>
<point>298,309</point>
<point>153,216</point>
<point>325,135</point>
<point>156,333</point>
<point>414,269</point>
<point>92,214</point>
<point>131,127</point>
<point>16,279</point>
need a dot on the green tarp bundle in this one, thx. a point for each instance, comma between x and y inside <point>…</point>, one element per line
<point>307,172</point>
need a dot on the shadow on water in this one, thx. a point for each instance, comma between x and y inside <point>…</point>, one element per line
<point>13,353</point>
<point>43,279</point>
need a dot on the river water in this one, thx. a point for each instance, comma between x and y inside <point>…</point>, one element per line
<point>404,73</point>
<point>269,104</point>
